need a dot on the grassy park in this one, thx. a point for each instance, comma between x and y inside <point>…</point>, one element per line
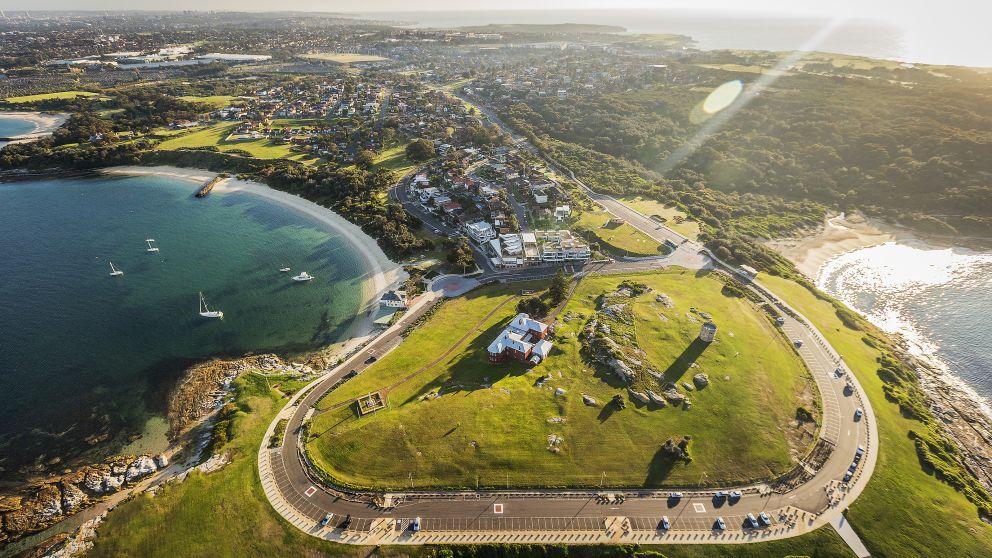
<point>50,96</point>
<point>215,101</point>
<point>673,217</point>
<point>225,514</point>
<point>215,135</point>
<point>459,420</point>
<point>343,57</point>
<point>904,511</point>
<point>621,239</point>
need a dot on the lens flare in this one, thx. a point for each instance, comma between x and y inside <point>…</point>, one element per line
<point>718,99</point>
<point>721,97</point>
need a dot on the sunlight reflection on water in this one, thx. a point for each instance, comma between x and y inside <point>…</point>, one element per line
<point>939,299</point>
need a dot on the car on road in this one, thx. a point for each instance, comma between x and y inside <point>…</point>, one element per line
<point>764,519</point>
<point>859,453</point>
<point>665,524</point>
<point>848,389</point>
<point>415,526</point>
<point>798,343</point>
<point>675,496</point>
<point>351,374</point>
<point>751,521</point>
<point>326,520</point>
<point>839,371</point>
<point>780,320</point>
<point>853,467</point>
<point>847,476</point>
<point>858,413</point>
<point>437,231</point>
<point>371,359</point>
<point>735,495</point>
<point>720,495</point>
<point>720,524</point>
<point>346,522</point>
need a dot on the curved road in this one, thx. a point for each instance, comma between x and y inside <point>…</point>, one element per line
<point>816,495</point>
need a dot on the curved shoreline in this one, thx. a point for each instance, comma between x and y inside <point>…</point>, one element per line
<point>383,272</point>
<point>44,122</point>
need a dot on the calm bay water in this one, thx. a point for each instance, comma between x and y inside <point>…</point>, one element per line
<point>939,299</point>
<point>10,127</point>
<point>84,353</point>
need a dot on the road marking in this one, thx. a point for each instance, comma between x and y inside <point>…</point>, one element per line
<point>310,491</point>
<point>497,508</point>
<point>699,508</point>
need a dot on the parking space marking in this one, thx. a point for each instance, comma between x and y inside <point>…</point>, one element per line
<point>311,491</point>
<point>699,508</point>
<point>497,508</point>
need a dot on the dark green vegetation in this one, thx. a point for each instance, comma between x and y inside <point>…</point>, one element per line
<point>918,498</point>
<point>910,145</point>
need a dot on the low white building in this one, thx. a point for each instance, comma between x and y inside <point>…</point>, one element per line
<point>481,231</point>
<point>562,212</point>
<point>393,299</point>
<point>562,246</point>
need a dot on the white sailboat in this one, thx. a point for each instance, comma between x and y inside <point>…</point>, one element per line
<point>284,269</point>
<point>304,276</point>
<point>206,312</point>
<point>114,272</point>
<point>151,245</point>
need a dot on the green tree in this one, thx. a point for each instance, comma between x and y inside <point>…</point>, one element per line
<point>461,255</point>
<point>559,288</point>
<point>533,306</point>
<point>420,150</point>
<point>365,159</point>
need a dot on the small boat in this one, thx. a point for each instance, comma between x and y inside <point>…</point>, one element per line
<point>151,245</point>
<point>284,269</point>
<point>114,272</point>
<point>206,312</point>
<point>304,276</point>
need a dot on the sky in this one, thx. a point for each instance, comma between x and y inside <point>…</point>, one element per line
<point>946,26</point>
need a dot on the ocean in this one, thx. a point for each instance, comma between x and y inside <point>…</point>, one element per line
<point>85,354</point>
<point>961,41</point>
<point>939,299</point>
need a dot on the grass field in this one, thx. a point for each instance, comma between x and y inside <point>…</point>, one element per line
<point>215,135</point>
<point>343,57</point>
<point>225,514</point>
<point>490,424</point>
<point>394,159</point>
<point>687,228</point>
<point>624,239</point>
<point>50,96</point>
<point>904,512</point>
<point>216,101</point>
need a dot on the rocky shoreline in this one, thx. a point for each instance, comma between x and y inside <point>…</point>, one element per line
<point>193,403</point>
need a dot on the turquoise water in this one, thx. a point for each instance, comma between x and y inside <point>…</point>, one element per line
<point>10,127</point>
<point>84,353</point>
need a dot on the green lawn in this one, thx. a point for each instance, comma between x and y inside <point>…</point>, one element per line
<point>395,159</point>
<point>50,96</point>
<point>671,215</point>
<point>225,515</point>
<point>904,512</point>
<point>215,135</point>
<point>491,423</point>
<point>624,239</point>
<point>216,101</point>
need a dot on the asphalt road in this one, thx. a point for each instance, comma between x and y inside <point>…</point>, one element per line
<point>816,500</point>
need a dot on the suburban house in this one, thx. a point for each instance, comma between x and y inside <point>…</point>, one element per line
<point>393,299</point>
<point>523,340</point>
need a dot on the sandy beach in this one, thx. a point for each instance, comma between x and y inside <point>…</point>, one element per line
<point>383,272</point>
<point>44,122</point>
<point>839,234</point>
